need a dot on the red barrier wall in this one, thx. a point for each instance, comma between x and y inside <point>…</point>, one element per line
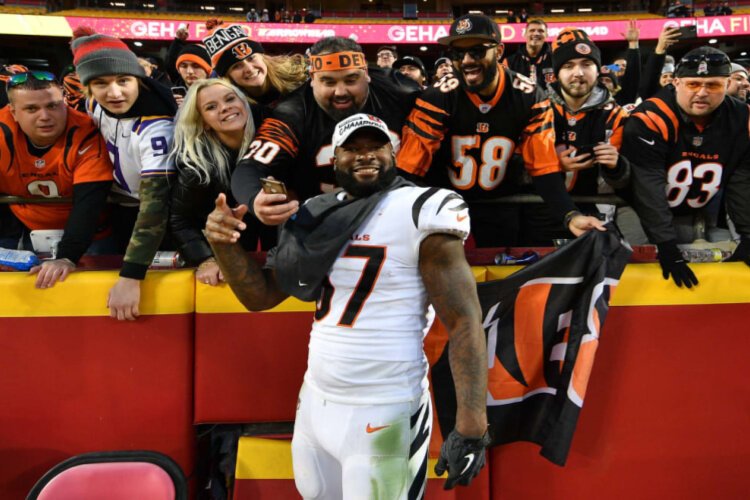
<point>74,380</point>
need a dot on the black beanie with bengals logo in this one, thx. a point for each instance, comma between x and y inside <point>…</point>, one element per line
<point>228,45</point>
<point>572,43</point>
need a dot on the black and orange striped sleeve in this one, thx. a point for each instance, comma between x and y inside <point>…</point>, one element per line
<point>616,123</point>
<point>537,145</point>
<point>422,133</point>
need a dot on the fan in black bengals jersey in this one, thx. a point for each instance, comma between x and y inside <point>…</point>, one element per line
<point>689,149</point>
<point>293,144</point>
<point>464,130</point>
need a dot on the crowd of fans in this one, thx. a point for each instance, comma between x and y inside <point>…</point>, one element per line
<point>139,155</point>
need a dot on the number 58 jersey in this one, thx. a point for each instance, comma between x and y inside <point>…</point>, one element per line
<point>373,313</point>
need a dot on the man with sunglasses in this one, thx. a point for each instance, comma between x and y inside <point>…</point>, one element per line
<point>464,130</point>
<point>48,151</point>
<point>689,149</point>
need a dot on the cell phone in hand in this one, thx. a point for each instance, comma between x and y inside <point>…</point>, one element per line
<point>583,149</point>
<point>180,91</point>
<point>688,32</point>
<point>272,186</point>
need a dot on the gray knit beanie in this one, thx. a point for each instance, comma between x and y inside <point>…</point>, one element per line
<point>101,55</point>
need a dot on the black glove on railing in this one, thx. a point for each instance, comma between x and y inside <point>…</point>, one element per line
<point>462,457</point>
<point>673,263</point>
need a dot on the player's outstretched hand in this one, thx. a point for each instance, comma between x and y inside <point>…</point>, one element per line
<point>742,252</point>
<point>673,263</point>
<point>224,224</point>
<point>462,457</point>
<point>579,224</point>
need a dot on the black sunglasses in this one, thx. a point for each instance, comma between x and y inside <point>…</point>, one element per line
<point>476,52</point>
<point>21,78</point>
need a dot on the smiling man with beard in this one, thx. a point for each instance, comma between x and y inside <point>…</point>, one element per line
<point>689,150</point>
<point>534,58</point>
<point>463,132</point>
<point>293,143</point>
<point>378,256</point>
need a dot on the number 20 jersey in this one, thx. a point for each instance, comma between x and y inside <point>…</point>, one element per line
<point>372,316</point>
<point>454,139</point>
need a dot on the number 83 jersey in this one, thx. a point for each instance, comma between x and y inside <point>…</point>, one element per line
<point>673,156</point>
<point>372,316</point>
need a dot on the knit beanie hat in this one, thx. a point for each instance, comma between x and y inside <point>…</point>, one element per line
<point>101,55</point>
<point>572,43</point>
<point>229,45</point>
<point>197,54</point>
<point>609,72</point>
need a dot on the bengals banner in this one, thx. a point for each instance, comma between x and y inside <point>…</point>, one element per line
<point>543,325</point>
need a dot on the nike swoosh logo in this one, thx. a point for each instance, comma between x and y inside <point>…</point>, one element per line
<point>82,151</point>
<point>470,458</point>
<point>370,429</point>
<point>460,217</point>
<point>650,143</point>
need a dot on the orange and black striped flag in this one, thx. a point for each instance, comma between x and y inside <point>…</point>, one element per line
<point>543,325</point>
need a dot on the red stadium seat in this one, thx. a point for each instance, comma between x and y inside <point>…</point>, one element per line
<point>115,475</point>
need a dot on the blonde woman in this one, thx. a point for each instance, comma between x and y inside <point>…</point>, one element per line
<point>213,129</point>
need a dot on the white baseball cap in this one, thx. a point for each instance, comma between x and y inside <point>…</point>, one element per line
<point>348,126</point>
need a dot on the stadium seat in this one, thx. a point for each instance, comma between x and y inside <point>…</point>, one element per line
<point>114,475</point>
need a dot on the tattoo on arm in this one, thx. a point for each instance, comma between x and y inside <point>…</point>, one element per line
<point>452,290</point>
<point>255,288</point>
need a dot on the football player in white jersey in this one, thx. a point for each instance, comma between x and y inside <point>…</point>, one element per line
<point>364,417</point>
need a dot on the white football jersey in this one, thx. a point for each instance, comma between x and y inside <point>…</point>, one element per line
<point>366,344</point>
<point>138,147</point>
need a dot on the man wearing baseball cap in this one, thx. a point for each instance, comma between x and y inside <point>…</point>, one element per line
<point>443,66</point>
<point>462,134</point>
<point>689,150</point>
<point>412,67</point>
<point>372,255</point>
<point>386,56</point>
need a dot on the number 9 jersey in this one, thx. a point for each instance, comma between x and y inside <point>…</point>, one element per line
<point>678,166</point>
<point>373,313</point>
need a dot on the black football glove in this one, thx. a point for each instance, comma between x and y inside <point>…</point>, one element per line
<point>742,252</point>
<point>672,262</point>
<point>462,457</point>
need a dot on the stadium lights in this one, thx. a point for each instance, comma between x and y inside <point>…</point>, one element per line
<point>208,7</point>
<point>423,48</point>
<point>557,11</point>
<point>501,12</point>
<point>743,54</point>
<point>713,41</point>
<point>476,12</point>
<point>584,9</point>
<point>236,9</point>
<point>138,44</point>
<point>117,4</point>
<point>148,5</point>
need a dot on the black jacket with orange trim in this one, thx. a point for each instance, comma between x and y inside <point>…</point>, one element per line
<point>679,167</point>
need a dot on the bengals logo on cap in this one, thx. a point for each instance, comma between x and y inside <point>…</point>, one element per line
<point>568,35</point>
<point>583,49</point>
<point>463,26</point>
<point>242,50</point>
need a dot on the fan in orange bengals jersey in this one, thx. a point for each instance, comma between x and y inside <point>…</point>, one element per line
<point>294,143</point>
<point>463,131</point>
<point>46,151</point>
<point>689,150</point>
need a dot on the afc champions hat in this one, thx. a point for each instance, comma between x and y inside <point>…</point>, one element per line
<point>348,126</point>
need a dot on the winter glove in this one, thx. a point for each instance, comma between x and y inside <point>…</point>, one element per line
<point>462,457</point>
<point>673,263</point>
<point>742,252</point>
